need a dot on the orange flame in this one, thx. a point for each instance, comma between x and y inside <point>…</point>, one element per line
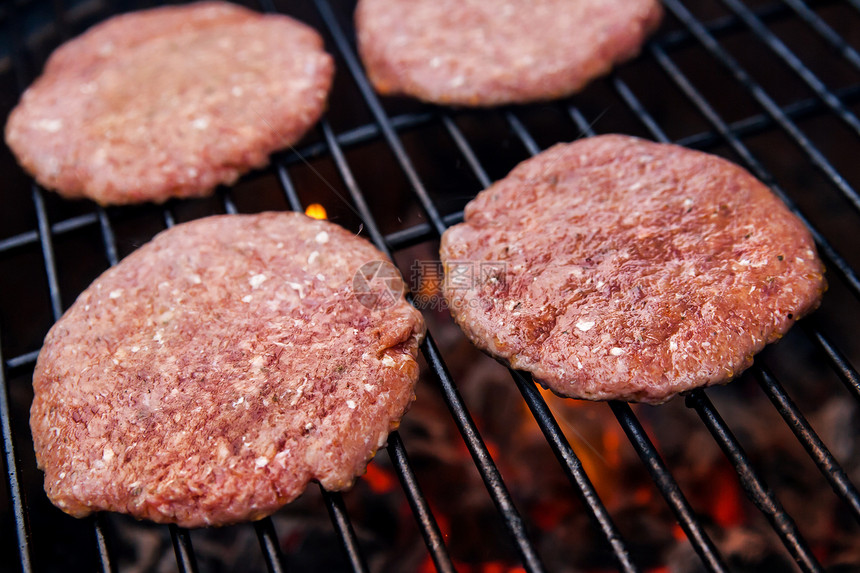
<point>379,480</point>
<point>612,446</point>
<point>600,454</point>
<point>727,502</point>
<point>316,211</point>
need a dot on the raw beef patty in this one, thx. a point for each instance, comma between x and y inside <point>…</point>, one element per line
<point>215,371</point>
<point>169,102</point>
<point>479,53</point>
<point>625,269</point>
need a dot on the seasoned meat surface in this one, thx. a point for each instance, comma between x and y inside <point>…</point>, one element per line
<point>479,53</point>
<point>169,102</point>
<point>629,270</point>
<point>218,369</point>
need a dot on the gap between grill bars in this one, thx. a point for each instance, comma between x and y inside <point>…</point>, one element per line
<point>387,128</point>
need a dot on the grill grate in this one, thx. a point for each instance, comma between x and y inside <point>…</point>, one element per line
<point>710,37</point>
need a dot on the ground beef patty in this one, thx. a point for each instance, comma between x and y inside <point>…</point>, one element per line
<point>169,102</point>
<point>616,268</point>
<point>479,53</point>
<point>214,372</point>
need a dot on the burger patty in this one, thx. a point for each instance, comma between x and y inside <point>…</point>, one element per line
<point>617,268</point>
<point>214,372</point>
<point>169,102</point>
<point>479,53</point>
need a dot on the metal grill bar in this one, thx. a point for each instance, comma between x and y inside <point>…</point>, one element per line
<point>269,545</point>
<point>771,107</point>
<point>229,206</point>
<point>289,190</point>
<point>487,468</point>
<point>780,49</point>
<point>48,253</point>
<point>555,437</point>
<point>420,509</point>
<point>637,108</point>
<point>837,360</point>
<point>698,100</point>
<point>419,233</point>
<point>31,237</point>
<point>756,489</point>
<point>340,519</point>
<point>664,480</point>
<point>572,466</point>
<point>354,192</point>
<point>522,134</point>
<point>825,31</point>
<point>108,565</point>
<point>11,462</point>
<point>819,453</point>
<point>846,372</point>
<point>668,487</point>
<point>805,434</point>
<point>333,500</point>
<point>489,473</point>
<point>108,237</point>
<point>466,151</point>
<point>365,133</point>
<point>379,114</point>
<point>183,549</point>
<point>169,219</point>
<point>397,451</point>
<point>830,254</point>
<point>759,123</point>
<point>18,361</point>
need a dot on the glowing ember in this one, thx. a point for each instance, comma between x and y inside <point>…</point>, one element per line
<point>727,502</point>
<point>316,211</point>
<point>379,480</point>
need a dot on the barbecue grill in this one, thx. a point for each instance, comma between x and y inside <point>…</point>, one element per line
<point>773,86</point>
